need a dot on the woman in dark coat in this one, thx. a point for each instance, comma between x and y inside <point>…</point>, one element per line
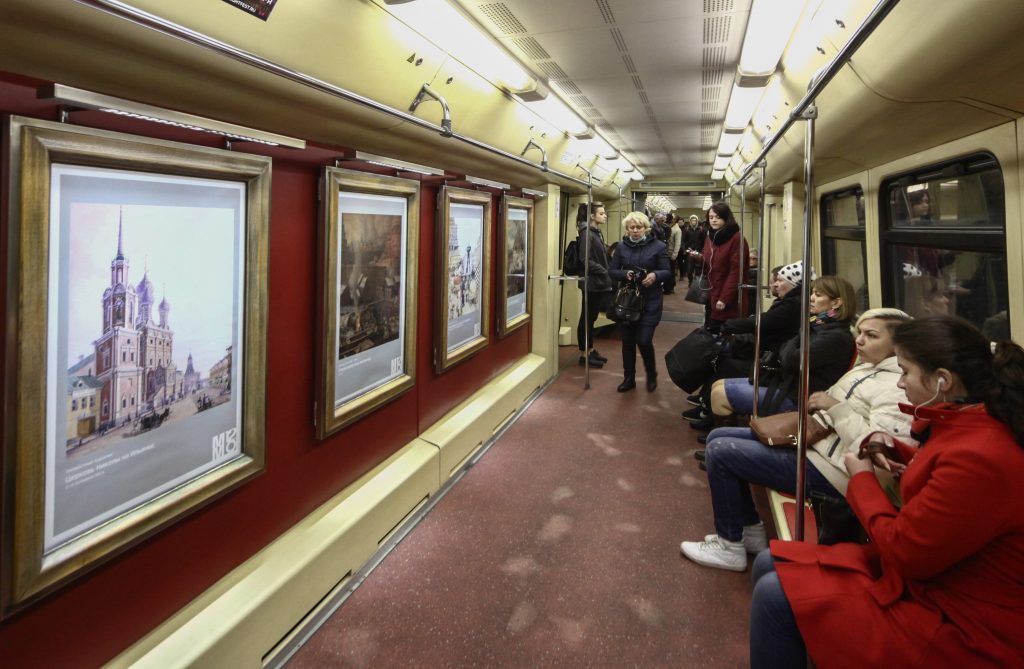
<point>640,257</point>
<point>724,247</point>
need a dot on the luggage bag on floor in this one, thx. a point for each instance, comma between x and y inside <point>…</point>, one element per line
<point>692,360</point>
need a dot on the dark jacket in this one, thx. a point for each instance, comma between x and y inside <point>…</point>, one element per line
<point>649,254</point>
<point>778,324</point>
<point>831,353</point>
<point>598,280</point>
<point>722,253</point>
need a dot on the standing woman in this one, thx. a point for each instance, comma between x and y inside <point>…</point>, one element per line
<point>724,247</point>
<point>940,584</point>
<point>640,257</point>
<point>598,284</point>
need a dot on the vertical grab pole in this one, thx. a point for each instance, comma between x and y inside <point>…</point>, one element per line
<point>586,279</point>
<point>744,262</point>
<point>759,294</point>
<point>809,115</point>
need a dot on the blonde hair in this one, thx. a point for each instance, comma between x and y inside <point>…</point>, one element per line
<point>636,217</point>
<point>888,315</point>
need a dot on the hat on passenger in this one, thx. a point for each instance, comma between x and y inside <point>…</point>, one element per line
<point>794,273</point>
<point>910,270</point>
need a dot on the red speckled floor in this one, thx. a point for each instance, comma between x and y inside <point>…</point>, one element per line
<point>560,548</point>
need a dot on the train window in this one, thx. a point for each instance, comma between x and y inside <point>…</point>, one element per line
<point>844,251</point>
<point>943,236</point>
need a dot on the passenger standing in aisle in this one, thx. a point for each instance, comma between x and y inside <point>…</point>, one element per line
<point>598,285</point>
<point>675,242</point>
<point>723,249</point>
<point>640,258</point>
<point>693,240</point>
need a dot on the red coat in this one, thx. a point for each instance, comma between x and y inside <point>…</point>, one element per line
<point>942,583</point>
<point>722,264</point>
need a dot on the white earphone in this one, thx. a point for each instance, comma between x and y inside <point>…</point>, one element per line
<point>940,385</point>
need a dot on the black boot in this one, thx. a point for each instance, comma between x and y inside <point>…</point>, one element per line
<point>628,383</point>
<point>652,382</point>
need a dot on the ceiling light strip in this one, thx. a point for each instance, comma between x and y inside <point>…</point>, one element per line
<point>77,97</point>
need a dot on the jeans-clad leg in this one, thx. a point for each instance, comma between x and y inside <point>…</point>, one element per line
<point>775,641</point>
<point>734,461</point>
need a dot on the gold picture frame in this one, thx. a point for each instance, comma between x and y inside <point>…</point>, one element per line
<point>370,240</point>
<point>515,261</point>
<point>103,451</point>
<point>463,283</point>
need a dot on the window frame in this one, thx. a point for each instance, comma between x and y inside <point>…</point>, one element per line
<point>829,233</point>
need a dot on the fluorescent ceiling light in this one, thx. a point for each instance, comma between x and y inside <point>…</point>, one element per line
<point>707,203</point>
<point>721,162</point>
<point>479,181</point>
<point>394,163</point>
<point>452,31</point>
<point>557,113</point>
<point>535,193</point>
<point>769,28</point>
<point>718,174</point>
<point>742,103</point>
<point>728,143</point>
<point>636,174</point>
<point>77,97</point>
<point>621,164</point>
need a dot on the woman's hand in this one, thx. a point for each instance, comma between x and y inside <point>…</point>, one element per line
<point>719,305</point>
<point>821,401</point>
<point>629,275</point>
<point>855,465</point>
<point>649,280</point>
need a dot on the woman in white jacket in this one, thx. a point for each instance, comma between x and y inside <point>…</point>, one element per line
<point>863,400</point>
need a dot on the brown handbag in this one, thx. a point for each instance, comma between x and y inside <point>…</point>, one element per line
<point>779,430</point>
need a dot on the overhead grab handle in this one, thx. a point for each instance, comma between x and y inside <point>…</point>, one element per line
<point>446,120</point>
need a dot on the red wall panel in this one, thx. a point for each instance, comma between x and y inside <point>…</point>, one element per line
<point>95,617</point>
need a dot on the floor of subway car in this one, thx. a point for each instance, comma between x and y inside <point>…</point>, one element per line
<point>560,547</point>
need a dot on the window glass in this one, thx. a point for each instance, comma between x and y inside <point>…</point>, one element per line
<point>848,262</point>
<point>843,240</point>
<point>945,245</point>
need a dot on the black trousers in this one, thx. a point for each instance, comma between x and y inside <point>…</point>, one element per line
<point>670,285</point>
<point>638,336</point>
<point>597,302</point>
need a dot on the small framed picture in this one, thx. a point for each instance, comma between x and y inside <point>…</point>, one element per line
<point>463,271</point>
<point>137,388</point>
<point>514,258</point>
<point>369,234</point>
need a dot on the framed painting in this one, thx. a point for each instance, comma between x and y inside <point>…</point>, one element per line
<point>137,318</point>
<point>515,239</point>
<point>463,275</point>
<point>369,234</point>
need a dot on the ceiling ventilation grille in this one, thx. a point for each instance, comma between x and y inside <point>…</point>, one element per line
<point>714,6</point>
<point>503,18</point>
<point>716,29</point>
<point>532,48</point>
<point>553,70</point>
<point>569,87</point>
<point>637,83</point>
<point>619,42</point>
<point>630,66</point>
<point>606,11</point>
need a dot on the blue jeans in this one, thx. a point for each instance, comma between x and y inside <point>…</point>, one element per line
<point>735,459</point>
<point>740,393</point>
<point>775,641</point>
<point>638,336</point>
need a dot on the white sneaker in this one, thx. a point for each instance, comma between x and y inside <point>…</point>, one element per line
<point>716,552</point>
<point>755,539</point>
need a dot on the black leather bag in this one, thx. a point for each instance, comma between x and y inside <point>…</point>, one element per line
<point>699,290</point>
<point>627,305</point>
<point>692,360</point>
<point>836,521</point>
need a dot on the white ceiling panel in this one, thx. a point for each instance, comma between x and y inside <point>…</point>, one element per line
<point>638,69</point>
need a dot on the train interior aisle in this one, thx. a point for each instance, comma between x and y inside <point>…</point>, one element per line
<point>560,546</point>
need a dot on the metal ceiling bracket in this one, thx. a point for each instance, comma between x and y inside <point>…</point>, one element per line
<point>543,154</point>
<point>446,120</point>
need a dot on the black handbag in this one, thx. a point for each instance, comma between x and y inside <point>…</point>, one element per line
<point>836,521</point>
<point>627,305</point>
<point>692,360</point>
<point>699,290</point>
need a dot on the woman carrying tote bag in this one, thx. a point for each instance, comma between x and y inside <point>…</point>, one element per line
<point>642,258</point>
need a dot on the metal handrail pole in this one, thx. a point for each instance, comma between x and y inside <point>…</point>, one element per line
<point>810,114</point>
<point>759,296</point>
<point>586,278</point>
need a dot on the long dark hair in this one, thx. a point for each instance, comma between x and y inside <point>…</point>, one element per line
<point>995,378</point>
<point>724,212</point>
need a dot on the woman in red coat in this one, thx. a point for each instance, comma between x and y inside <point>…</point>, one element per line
<point>724,254</point>
<point>942,582</point>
